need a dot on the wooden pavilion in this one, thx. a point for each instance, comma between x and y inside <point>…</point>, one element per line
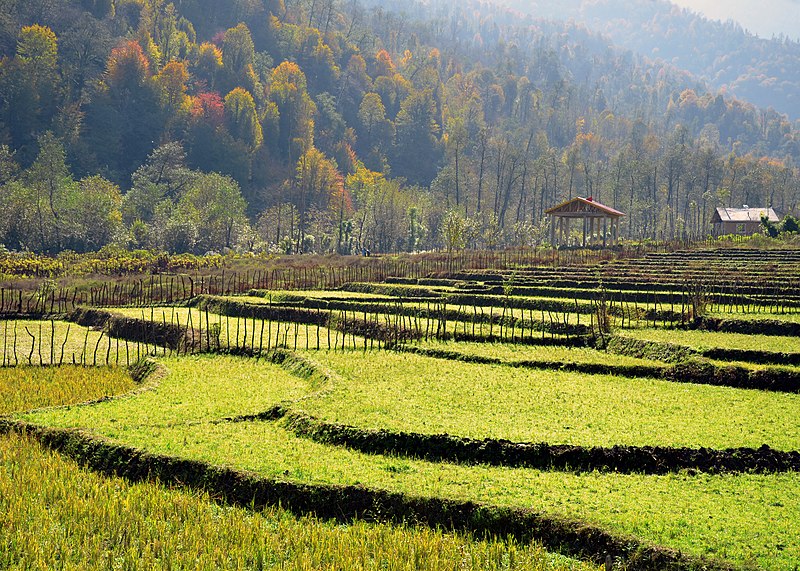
<point>600,222</point>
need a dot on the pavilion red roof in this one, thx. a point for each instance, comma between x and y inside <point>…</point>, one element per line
<point>583,205</point>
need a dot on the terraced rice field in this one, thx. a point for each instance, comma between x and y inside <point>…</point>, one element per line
<point>516,353</point>
<point>424,395</point>
<point>56,342</point>
<point>54,511</point>
<point>738,516</point>
<point>714,339</point>
<point>404,392</point>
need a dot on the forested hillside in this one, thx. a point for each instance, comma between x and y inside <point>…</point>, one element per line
<point>332,126</point>
<point>763,71</point>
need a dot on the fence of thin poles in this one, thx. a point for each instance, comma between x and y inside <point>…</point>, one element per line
<point>257,329</point>
<point>166,288</point>
<point>765,295</point>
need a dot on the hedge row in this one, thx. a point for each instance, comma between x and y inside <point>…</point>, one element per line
<point>163,334</point>
<point>346,503</point>
<point>544,456</point>
<point>384,332</point>
<point>430,282</point>
<point>552,305</point>
<point>746,326</point>
<point>315,311</point>
<point>653,350</point>
<point>752,356</point>
<point>23,316</point>
<point>641,295</point>
<point>143,369</point>
<point>687,368</point>
<point>574,341</point>
<point>351,324</point>
<point>690,371</point>
<point>672,353</point>
<point>438,312</point>
<point>302,298</point>
<point>88,317</point>
<point>767,379</point>
<point>563,306</point>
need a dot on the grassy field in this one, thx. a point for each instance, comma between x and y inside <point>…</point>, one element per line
<point>57,342</point>
<point>748,519</point>
<point>710,339</point>
<point>24,388</point>
<point>755,316</point>
<point>201,388</point>
<point>511,352</point>
<point>250,333</point>
<point>407,392</point>
<point>56,514</point>
<point>740,517</point>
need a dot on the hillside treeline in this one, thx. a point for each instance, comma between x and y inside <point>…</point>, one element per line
<point>330,126</point>
<point>763,71</point>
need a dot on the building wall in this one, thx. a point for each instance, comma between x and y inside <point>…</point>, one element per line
<point>739,228</point>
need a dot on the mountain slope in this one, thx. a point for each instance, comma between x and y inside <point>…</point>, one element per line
<point>327,126</point>
<point>761,71</point>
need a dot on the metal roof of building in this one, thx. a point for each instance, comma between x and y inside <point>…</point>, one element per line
<point>746,214</point>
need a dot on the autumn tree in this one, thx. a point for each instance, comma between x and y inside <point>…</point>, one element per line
<point>210,147</point>
<point>29,85</point>
<point>208,64</point>
<point>375,131</point>
<point>172,80</point>
<point>317,60</point>
<point>383,64</point>
<point>238,56</point>
<point>124,122</point>
<point>288,91</point>
<point>317,182</point>
<point>354,82</point>
<point>242,119</point>
<point>170,33</point>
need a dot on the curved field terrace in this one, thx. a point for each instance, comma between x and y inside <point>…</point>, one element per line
<point>576,415</point>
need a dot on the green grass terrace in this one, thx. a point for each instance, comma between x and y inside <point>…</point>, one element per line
<point>743,518</point>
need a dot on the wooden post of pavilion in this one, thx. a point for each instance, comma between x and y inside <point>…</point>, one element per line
<point>590,212</point>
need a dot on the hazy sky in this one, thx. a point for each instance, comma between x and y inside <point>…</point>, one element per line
<point>762,17</point>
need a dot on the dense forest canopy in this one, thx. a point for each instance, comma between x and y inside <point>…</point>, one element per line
<point>339,125</point>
